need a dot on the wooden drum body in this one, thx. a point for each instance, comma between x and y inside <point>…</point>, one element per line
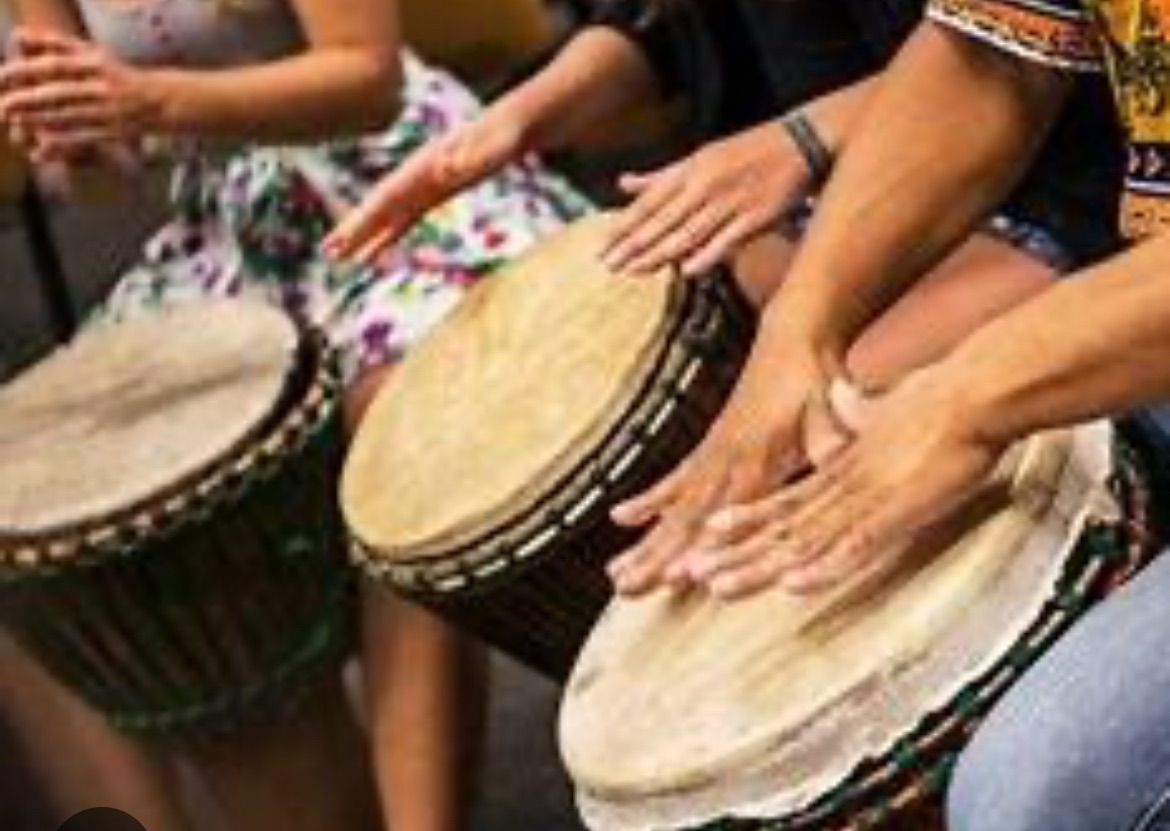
<point>844,710</point>
<point>170,543</point>
<point>481,481</point>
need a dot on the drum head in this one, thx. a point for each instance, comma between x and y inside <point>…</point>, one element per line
<point>682,710</point>
<point>510,393</point>
<point>126,412</point>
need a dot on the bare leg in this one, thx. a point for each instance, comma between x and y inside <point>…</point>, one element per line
<point>426,697</point>
<point>979,282</point>
<point>304,773</point>
<point>739,460</point>
<point>83,762</point>
<point>426,689</point>
<point>760,267</point>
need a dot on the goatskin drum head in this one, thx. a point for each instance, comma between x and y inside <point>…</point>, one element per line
<point>683,709</point>
<point>509,393</point>
<point>127,411</point>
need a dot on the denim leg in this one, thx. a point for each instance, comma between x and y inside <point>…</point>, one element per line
<point>1082,743</point>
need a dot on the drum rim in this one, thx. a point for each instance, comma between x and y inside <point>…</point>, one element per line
<point>523,536</point>
<point>916,767</point>
<point>294,370</point>
<point>291,425</point>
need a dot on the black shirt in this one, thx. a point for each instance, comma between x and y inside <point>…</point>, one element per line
<point>740,62</point>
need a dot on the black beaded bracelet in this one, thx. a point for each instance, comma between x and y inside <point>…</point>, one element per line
<point>808,142</point>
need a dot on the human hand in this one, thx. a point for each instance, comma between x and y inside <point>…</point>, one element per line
<point>434,174</point>
<point>774,423</point>
<point>698,211</point>
<point>916,456</point>
<point>61,97</point>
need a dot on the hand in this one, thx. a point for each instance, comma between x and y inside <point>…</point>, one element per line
<point>61,96</point>
<point>916,456</point>
<point>774,423</point>
<point>434,174</point>
<point>698,211</point>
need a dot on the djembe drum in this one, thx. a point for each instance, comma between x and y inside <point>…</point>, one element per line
<point>170,545</point>
<point>480,483</point>
<point>845,710</point>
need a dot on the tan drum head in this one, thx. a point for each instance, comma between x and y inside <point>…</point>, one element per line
<point>510,393</point>
<point>128,411</point>
<point>682,710</point>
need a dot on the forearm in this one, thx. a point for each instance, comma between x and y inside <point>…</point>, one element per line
<point>318,94</point>
<point>916,176</point>
<point>598,76</point>
<point>1095,344</point>
<point>58,15</point>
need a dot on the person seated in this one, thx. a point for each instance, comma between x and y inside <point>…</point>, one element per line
<point>819,65</point>
<point>1082,742</point>
<point>282,114</point>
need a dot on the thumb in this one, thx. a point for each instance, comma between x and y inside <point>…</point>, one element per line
<point>849,406</point>
<point>832,420</point>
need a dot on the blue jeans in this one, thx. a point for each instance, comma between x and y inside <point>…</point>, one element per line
<point>1082,743</point>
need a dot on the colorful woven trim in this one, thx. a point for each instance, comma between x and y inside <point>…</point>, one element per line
<point>1049,33</point>
<point>918,767</point>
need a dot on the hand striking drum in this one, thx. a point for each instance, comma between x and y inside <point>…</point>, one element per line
<point>845,710</point>
<point>480,482</point>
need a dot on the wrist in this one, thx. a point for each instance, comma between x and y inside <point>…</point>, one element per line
<point>981,401</point>
<point>154,112</point>
<point>835,114</point>
<point>789,329</point>
<point>520,115</point>
<point>804,136</point>
<point>803,317</point>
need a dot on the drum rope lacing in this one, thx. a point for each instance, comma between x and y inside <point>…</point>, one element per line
<point>691,349</point>
<point>227,484</point>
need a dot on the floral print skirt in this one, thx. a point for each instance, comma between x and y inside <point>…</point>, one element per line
<point>250,222</point>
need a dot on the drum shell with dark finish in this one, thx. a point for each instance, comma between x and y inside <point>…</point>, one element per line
<point>537,585</point>
<point>216,604</point>
<point>900,788</point>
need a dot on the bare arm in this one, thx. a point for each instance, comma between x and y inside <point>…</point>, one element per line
<point>346,80</point>
<point>1094,345</point>
<point>598,76</point>
<point>700,210</point>
<point>908,189</point>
